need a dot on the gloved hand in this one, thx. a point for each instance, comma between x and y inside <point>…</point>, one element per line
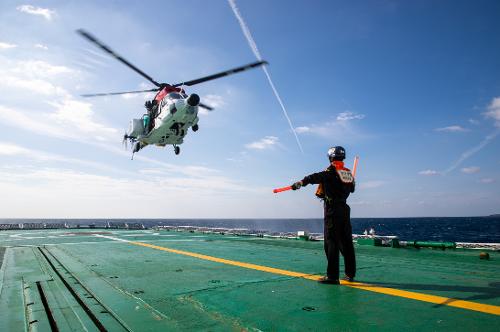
<point>297,185</point>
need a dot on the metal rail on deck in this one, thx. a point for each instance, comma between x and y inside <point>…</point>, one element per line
<point>52,321</point>
<point>74,293</point>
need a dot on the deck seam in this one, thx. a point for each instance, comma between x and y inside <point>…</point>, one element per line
<point>2,269</point>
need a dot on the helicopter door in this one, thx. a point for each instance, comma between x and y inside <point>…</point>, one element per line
<point>136,128</point>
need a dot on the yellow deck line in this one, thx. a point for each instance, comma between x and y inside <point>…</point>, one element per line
<point>468,305</point>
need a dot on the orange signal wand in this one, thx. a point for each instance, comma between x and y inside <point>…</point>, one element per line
<point>278,190</point>
<point>355,166</point>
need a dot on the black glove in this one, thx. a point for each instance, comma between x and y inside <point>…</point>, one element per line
<point>297,185</point>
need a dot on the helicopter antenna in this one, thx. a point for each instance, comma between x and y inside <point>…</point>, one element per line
<point>115,55</point>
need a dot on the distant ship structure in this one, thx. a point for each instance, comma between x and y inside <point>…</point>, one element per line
<point>367,238</point>
<point>49,225</point>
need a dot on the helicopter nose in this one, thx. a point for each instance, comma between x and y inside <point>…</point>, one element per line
<point>193,99</point>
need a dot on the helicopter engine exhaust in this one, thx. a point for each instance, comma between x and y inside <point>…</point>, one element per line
<point>193,99</point>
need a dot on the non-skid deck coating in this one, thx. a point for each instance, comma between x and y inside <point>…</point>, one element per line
<point>147,280</point>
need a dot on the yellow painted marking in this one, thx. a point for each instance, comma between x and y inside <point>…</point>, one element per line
<point>229,262</point>
<point>475,306</point>
<point>481,307</point>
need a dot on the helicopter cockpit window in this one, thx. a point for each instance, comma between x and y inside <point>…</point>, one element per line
<point>174,95</point>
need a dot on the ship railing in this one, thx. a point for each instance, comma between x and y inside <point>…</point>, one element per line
<point>475,245</point>
<point>117,225</point>
<point>134,226</point>
<point>5,227</point>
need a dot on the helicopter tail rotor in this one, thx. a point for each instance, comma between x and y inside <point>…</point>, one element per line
<point>125,141</point>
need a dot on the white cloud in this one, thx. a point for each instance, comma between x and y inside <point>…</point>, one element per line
<point>79,115</point>
<point>469,153</point>
<point>199,177</point>
<point>40,69</point>
<point>371,184</point>
<point>83,128</point>
<point>62,115</point>
<point>148,96</point>
<point>494,111</point>
<point>212,100</point>
<point>6,46</point>
<point>72,120</point>
<point>487,180</point>
<point>153,171</point>
<point>47,188</point>
<point>35,76</point>
<point>253,46</point>
<point>48,14</point>
<point>265,143</point>
<point>239,158</point>
<point>452,129</point>
<point>34,123</point>
<point>12,149</point>
<point>130,95</point>
<point>428,172</point>
<point>326,130</point>
<point>471,170</point>
<point>347,116</point>
<point>38,86</point>
<point>215,101</point>
<point>302,130</point>
<point>338,129</point>
<point>473,121</point>
<point>41,46</point>
<point>194,176</point>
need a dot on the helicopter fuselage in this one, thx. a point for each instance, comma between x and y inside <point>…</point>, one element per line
<point>174,118</point>
<point>171,114</point>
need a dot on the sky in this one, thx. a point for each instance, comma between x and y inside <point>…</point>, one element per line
<point>412,88</point>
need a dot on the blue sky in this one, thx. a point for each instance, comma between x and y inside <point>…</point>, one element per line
<point>413,88</point>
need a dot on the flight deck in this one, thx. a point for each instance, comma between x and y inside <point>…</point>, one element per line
<point>161,280</point>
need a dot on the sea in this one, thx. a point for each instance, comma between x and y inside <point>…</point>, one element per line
<point>455,229</point>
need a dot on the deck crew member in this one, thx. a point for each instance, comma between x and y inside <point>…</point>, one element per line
<point>335,185</point>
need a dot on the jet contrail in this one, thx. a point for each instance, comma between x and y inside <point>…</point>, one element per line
<point>469,153</point>
<point>253,46</point>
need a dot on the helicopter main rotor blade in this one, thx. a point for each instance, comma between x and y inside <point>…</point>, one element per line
<point>205,106</point>
<point>117,93</point>
<point>108,50</point>
<point>222,74</point>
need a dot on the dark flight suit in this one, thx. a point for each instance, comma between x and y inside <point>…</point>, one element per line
<point>337,228</point>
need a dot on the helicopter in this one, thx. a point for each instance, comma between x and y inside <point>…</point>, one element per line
<point>171,112</point>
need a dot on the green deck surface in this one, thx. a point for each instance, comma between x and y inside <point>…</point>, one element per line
<point>126,286</point>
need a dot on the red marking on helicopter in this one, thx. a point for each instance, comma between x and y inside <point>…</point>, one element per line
<point>165,91</point>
